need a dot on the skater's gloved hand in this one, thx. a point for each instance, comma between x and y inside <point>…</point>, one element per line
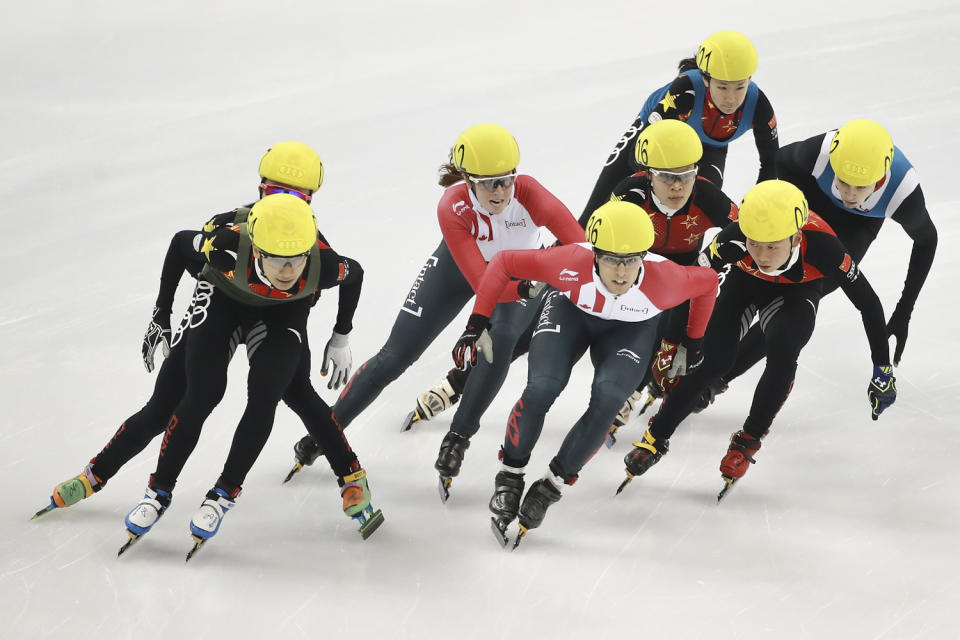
<point>158,334</point>
<point>662,365</point>
<point>882,391</point>
<point>337,360</point>
<point>897,327</point>
<point>475,339</point>
<point>530,289</point>
<point>689,357</point>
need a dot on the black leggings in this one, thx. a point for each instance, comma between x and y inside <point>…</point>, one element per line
<point>274,345</point>
<point>857,234</point>
<point>136,432</point>
<point>787,315</point>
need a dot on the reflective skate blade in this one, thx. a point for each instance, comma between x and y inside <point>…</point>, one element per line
<point>523,532</point>
<point>197,543</point>
<point>413,416</point>
<point>370,521</point>
<point>625,482</point>
<point>729,485</point>
<point>296,469</point>
<point>47,509</point>
<point>129,543</point>
<point>646,404</point>
<point>611,439</point>
<point>499,528</point>
<point>444,488</point>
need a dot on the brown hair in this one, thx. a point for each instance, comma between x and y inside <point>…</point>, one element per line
<point>449,174</point>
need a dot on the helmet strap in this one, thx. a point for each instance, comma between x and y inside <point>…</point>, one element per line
<point>794,256</point>
<point>664,209</point>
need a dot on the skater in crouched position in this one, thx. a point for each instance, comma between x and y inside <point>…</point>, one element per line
<point>681,206</point>
<point>714,94</point>
<point>486,208</point>
<point>855,178</point>
<point>286,167</point>
<point>609,292</point>
<point>782,257</point>
<point>263,269</point>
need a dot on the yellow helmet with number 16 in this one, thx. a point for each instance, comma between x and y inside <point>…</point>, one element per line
<point>620,227</point>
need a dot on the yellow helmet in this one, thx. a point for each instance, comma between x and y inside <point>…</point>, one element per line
<point>772,211</point>
<point>485,150</point>
<point>667,144</point>
<point>282,225</point>
<point>861,152</point>
<point>293,164</point>
<point>620,227</point>
<point>727,55</point>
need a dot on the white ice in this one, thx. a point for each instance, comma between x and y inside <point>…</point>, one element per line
<point>122,123</point>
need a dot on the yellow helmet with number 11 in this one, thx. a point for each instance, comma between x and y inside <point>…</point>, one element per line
<point>728,56</point>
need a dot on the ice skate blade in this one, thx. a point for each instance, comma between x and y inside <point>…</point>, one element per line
<point>648,401</point>
<point>516,542</point>
<point>499,528</point>
<point>611,439</point>
<point>726,487</point>
<point>47,509</point>
<point>198,542</point>
<point>129,543</point>
<point>370,521</point>
<point>625,482</point>
<point>444,488</point>
<point>413,416</point>
<point>296,469</point>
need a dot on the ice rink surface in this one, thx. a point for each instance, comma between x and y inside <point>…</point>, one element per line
<point>122,124</point>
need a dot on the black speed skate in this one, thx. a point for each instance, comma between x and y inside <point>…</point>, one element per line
<point>305,453</point>
<point>540,496</point>
<point>452,450</point>
<point>505,503</point>
<point>646,453</point>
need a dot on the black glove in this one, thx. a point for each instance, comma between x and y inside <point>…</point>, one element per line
<point>530,290</point>
<point>475,338</point>
<point>882,390</point>
<point>688,358</point>
<point>897,327</point>
<point>158,334</point>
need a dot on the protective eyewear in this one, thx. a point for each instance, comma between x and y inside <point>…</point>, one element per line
<point>269,189</point>
<point>492,184</point>
<point>280,262</point>
<point>613,260</point>
<point>671,177</point>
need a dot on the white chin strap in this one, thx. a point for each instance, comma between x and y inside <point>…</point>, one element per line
<point>667,211</point>
<point>794,256</point>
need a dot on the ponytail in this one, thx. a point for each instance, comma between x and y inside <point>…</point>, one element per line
<point>687,64</point>
<point>449,175</point>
